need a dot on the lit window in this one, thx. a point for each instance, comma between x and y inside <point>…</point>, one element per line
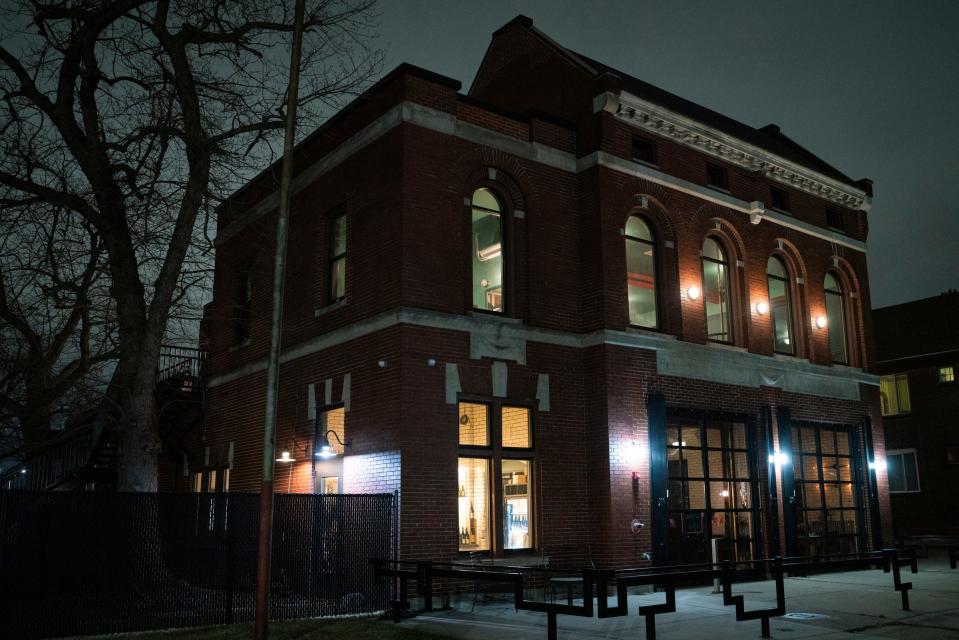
<point>903,471</point>
<point>836,319</point>
<point>333,420</point>
<point>242,305</point>
<point>780,305</point>
<point>331,484</point>
<point>336,267</point>
<point>641,273</point>
<point>487,251</point>
<point>947,374</point>
<point>644,150</point>
<point>197,482</point>
<point>894,394</point>
<point>500,450</point>
<point>716,292</point>
<point>717,177</point>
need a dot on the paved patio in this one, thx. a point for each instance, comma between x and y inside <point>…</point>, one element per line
<point>856,604</point>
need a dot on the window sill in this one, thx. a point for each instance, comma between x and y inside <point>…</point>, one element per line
<point>727,346</point>
<point>719,189</point>
<point>639,330</point>
<point>904,492</point>
<point>494,316</point>
<point>651,165</point>
<point>782,211</point>
<point>333,306</point>
<point>789,357</point>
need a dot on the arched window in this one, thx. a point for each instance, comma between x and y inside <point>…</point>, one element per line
<point>780,305</point>
<point>641,273</point>
<point>486,234</point>
<point>716,293</point>
<point>836,319</point>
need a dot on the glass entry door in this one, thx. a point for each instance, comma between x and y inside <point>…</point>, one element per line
<point>828,493</point>
<point>712,494</point>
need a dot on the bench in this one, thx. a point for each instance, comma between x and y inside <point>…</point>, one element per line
<point>921,544</point>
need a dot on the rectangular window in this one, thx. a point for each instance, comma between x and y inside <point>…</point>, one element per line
<point>717,177</point>
<point>197,482</point>
<point>331,484</point>
<point>947,374</point>
<point>336,262</point>
<point>474,500</point>
<point>493,515</point>
<point>903,471</point>
<point>644,150</point>
<point>212,480</point>
<point>333,420</point>
<point>226,479</point>
<point>780,199</point>
<point>834,219</point>
<point>894,394</point>
<point>243,305</point>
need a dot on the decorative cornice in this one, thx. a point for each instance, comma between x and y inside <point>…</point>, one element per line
<point>651,117</point>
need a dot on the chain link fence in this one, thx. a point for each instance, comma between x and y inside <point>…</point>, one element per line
<point>73,564</point>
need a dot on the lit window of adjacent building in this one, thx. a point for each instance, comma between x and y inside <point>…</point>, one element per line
<point>644,150</point>
<point>641,273</point>
<point>717,177</point>
<point>903,471</point>
<point>780,305</point>
<point>486,233</point>
<point>836,319</point>
<point>780,199</point>
<point>336,262</point>
<point>494,477</point>
<point>947,374</point>
<point>716,293</point>
<point>894,394</point>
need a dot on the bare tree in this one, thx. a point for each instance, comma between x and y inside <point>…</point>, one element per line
<point>141,116</point>
<point>56,330</point>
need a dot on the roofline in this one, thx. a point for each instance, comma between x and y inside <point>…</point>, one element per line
<point>944,294</point>
<point>400,69</point>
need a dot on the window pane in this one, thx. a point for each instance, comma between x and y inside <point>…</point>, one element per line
<point>331,484</point>
<point>947,374</point>
<point>696,495</point>
<point>836,326</point>
<point>779,309</point>
<point>333,421</point>
<point>894,470</point>
<point>337,279</point>
<point>910,472</point>
<point>716,293</point>
<point>812,495</point>
<point>474,498</point>
<point>339,235</point>
<point>641,280</point>
<point>516,427</point>
<point>902,391</point>
<point>474,424</point>
<point>517,505</point>
<point>720,495</point>
<point>487,251</point>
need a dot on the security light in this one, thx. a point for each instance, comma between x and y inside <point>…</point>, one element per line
<point>762,307</point>
<point>285,457</point>
<point>693,292</point>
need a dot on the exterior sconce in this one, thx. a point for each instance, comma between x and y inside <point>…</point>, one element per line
<point>762,307</point>
<point>285,457</point>
<point>821,322</point>
<point>693,292</point>
<point>877,465</point>
<point>779,458</point>
<point>326,451</point>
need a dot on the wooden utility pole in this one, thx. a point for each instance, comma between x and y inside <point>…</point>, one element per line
<point>265,540</point>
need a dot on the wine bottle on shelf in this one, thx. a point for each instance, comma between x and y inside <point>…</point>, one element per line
<point>472,530</point>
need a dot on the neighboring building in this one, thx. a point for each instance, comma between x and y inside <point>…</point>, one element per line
<point>556,315</point>
<point>917,352</point>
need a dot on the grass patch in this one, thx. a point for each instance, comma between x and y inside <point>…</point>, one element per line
<point>354,629</point>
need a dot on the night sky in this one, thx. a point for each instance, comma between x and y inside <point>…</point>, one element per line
<point>870,87</point>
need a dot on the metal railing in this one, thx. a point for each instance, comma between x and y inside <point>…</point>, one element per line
<point>596,583</point>
<point>186,363</point>
<point>51,465</point>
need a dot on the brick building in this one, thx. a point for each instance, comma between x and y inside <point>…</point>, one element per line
<point>566,312</point>
<point>917,353</point>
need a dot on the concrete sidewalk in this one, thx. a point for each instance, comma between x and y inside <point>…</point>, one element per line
<point>857,604</point>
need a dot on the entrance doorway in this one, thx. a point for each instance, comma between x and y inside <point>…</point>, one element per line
<point>712,495</point>
<point>828,504</point>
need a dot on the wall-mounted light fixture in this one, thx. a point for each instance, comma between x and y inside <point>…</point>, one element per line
<point>762,307</point>
<point>779,458</point>
<point>820,322</point>
<point>693,292</point>
<point>326,450</point>
<point>285,457</point>
<point>877,465</point>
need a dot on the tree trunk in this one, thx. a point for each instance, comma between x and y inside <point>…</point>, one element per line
<point>140,445</point>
